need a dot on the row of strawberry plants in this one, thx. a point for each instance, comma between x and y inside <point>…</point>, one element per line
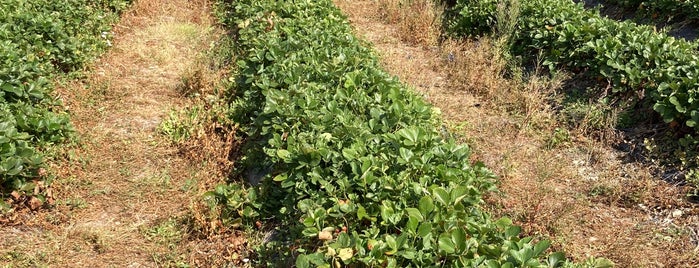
<point>38,40</point>
<point>631,57</point>
<point>676,10</point>
<point>344,161</point>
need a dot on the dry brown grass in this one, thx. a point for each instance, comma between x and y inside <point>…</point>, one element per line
<point>556,182</point>
<point>126,196</point>
<point>418,21</point>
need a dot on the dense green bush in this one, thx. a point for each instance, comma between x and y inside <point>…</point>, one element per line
<point>351,167</point>
<point>39,39</point>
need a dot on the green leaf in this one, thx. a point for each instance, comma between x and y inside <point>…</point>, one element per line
<point>350,154</point>
<point>541,247</point>
<point>361,212</point>
<point>441,195</point>
<point>446,244</point>
<point>424,229</point>
<point>415,213</point>
<point>412,225</point>
<point>492,264</point>
<point>391,242</point>
<point>513,231</point>
<point>387,213</point>
<point>603,263</point>
<point>405,155</point>
<point>284,154</point>
<point>459,193</point>
<point>555,259</point>
<point>459,238</point>
<point>280,177</point>
<point>302,261</point>
<point>426,205</point>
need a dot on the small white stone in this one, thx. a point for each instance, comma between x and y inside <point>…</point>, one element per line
<point>677,213</point>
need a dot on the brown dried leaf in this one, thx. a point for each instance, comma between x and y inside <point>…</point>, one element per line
<point>34,203</point>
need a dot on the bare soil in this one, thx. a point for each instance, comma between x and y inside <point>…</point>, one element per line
<point>126,196</point>
<point>578,191</point>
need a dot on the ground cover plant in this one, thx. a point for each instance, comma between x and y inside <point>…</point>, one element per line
<point>342,164</point>
<point>670,10</point>
<point>38,41</point>
<point>636,64</point>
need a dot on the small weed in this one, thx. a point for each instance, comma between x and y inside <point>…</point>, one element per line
<point>601,190</point>
<point>161,179</point>
<point>183,124</point>
<point>589,117</point>
<point>97,241</point>
<point>169,260</point>
<point>17,258</point>
<point>125,171</point>
<point>167,232</point>
<point>559,137</point>
<point>189,185</point>
<point>74,203</point>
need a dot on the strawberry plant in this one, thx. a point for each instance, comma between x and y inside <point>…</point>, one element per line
<point>631,59</point>
<point>39,40</point>
<point>670,10</point>
<point>344,160</point>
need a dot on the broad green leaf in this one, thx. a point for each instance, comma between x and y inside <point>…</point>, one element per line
<point>280,177</point>
<point>284,154</point>
<point>391,242</point>
<point>350,154</point>
<point>459,193</point>
<point>541,247</point>
<point>459,237</point>
<point>302,261</point>
<point>424,229</point>
<point>603,263</point>
<point>441,195</point>
<point>555,259</point>
<point>413,212</point>
<point>446,244</point>
<point>361,212</point>
<point>426,205</point>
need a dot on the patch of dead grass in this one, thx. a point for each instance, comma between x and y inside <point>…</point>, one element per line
<point>558,183</point>
<point>417,21</point>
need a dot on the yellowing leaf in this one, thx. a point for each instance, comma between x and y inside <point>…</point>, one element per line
<point>345,254</point>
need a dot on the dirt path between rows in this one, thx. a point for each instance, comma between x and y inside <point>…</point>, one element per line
<point>583,195</point>
<point>124,196</point>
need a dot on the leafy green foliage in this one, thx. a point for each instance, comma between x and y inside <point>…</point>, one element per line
<point>39,39</point>
<point>667,9</point>
<point>634,61</point>
<point>351,165</point>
